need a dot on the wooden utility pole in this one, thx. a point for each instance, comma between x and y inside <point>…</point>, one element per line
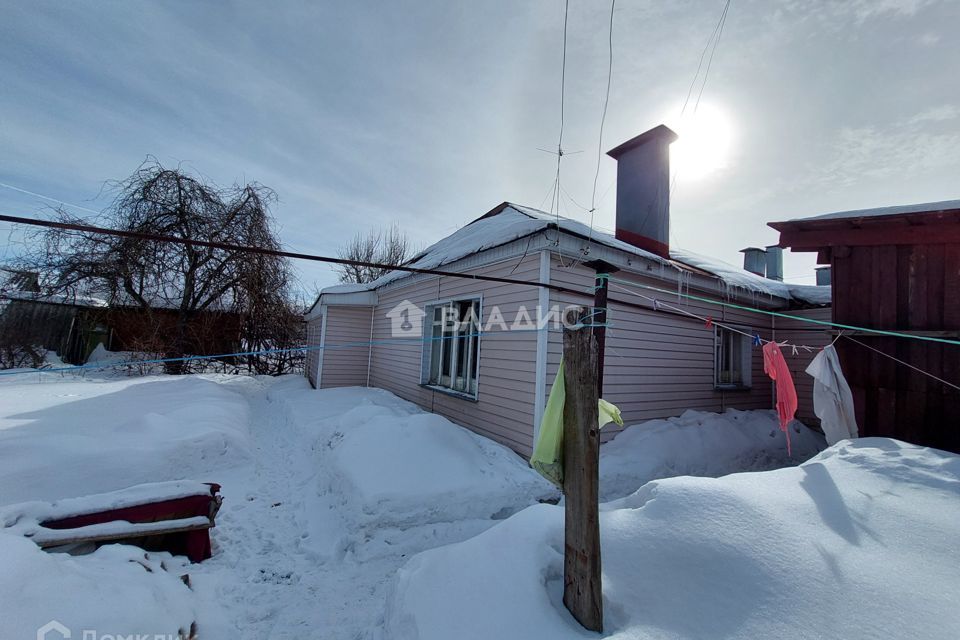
<point>582,593</point>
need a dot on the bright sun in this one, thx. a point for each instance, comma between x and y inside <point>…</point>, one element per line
<point>704,143</point>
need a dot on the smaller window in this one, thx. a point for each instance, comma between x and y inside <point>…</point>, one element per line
<point>451,352</point>
<point>732,366</point>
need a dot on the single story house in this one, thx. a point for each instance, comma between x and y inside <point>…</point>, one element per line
<point>493,373</point>
<point>895,269</point>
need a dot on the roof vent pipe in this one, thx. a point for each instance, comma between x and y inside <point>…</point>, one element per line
<point>775,263</point>
<point>755,260</point>
<point>823,276</point>
<point>643,190</point>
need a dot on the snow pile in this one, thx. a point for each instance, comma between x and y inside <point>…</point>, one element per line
<point>859,542</point>
<point>117,590</point>
<point>700,443</point>
<point>66,439</point>
<point>385,464</point>
<point>26,518</point>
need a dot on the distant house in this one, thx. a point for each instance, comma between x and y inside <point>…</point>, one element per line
<point>494,375</point>
<point>895,269</point>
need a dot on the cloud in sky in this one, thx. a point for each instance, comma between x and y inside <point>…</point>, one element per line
<point>430,113</point>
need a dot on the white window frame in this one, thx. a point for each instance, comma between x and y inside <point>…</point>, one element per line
<point>729,350</point>
<point>432,371</point>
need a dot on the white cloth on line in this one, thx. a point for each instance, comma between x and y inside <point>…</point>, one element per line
<point>832,399</point>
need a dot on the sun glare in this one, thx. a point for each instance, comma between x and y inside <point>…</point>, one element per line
<point>704,143</point>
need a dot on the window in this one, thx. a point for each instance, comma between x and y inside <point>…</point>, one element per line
<point>451,353</point>
<point>732,366</point>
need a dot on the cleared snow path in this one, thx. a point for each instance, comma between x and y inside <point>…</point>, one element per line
<point>272,575</point>
<point>266,579</point>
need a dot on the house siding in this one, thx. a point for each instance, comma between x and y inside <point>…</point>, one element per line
<point>346,348</point>
<point>503,410</point>
<point>314,331</point>
<point>658,365</point>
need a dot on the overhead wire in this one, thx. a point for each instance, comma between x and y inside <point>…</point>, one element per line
<point>776,314</point>
<point>603,118</point>
<point>715,40</point>
<point>49,198</point>
<point>69,226</point>
<point>895,359</point>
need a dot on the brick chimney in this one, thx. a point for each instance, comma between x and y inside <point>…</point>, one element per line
<point>643,190</point>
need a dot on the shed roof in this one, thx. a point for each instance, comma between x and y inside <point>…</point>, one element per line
<point>925,207</point>
<point>926,223</point>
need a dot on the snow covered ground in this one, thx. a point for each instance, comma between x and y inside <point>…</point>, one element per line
<point>328,495</point>
<point>859,542</point>
<point>699,443</point>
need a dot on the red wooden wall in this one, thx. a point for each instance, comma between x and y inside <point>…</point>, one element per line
<point>906,287</point>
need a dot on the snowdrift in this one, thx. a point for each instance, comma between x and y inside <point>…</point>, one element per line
<point>118,590</point>
<point>858,542</point>
<point>700,443</point>
<point>68,439</point>
<point>385,464</point>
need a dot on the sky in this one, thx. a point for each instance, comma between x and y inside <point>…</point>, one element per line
<point>428,114</point>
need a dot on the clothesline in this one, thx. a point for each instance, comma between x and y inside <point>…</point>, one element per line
<point>906,364</point>
<point>777,314</point>
<point>709,322</point>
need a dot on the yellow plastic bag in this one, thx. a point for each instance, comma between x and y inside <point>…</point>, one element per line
<point>547,456</point>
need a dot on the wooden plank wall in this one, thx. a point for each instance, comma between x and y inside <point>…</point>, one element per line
<point>905,287</point>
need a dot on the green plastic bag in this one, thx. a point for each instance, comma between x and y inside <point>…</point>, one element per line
<point>547,456</point>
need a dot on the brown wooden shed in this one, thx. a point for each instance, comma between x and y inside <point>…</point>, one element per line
<point>897,269</point>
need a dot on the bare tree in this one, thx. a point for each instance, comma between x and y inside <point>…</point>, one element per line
<point>164,278</point>
<point>388,247</point>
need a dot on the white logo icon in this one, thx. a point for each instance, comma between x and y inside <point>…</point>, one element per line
<point>44,631</point>
<point>406,320</point>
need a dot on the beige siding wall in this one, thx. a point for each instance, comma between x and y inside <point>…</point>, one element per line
<point>504,408</point>
<point>657,364</point>
<point>346,349</point>
<point>804,333</point>
<point>660,364</point>
<point>314,328</point>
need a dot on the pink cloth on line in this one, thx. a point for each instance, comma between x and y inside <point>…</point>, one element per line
<point>776,367</point>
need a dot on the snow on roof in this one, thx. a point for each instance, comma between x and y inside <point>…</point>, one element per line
<point>515,221</point>
<point>810,293</point>
<point>55,298</point>
<point>732,275</point>
<point>886,211</point>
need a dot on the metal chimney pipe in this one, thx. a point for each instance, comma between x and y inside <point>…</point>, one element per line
<point>823,276</point>
<point>775,263</point>
<point>755,260</point>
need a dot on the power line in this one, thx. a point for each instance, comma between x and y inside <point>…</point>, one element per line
<point>563,82</point>
<point>715,40</point>
<point>40,195</point>
<point>703,54</point>
<point>139,235</point>
<point>603,117</point>
<point>706,73</point>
